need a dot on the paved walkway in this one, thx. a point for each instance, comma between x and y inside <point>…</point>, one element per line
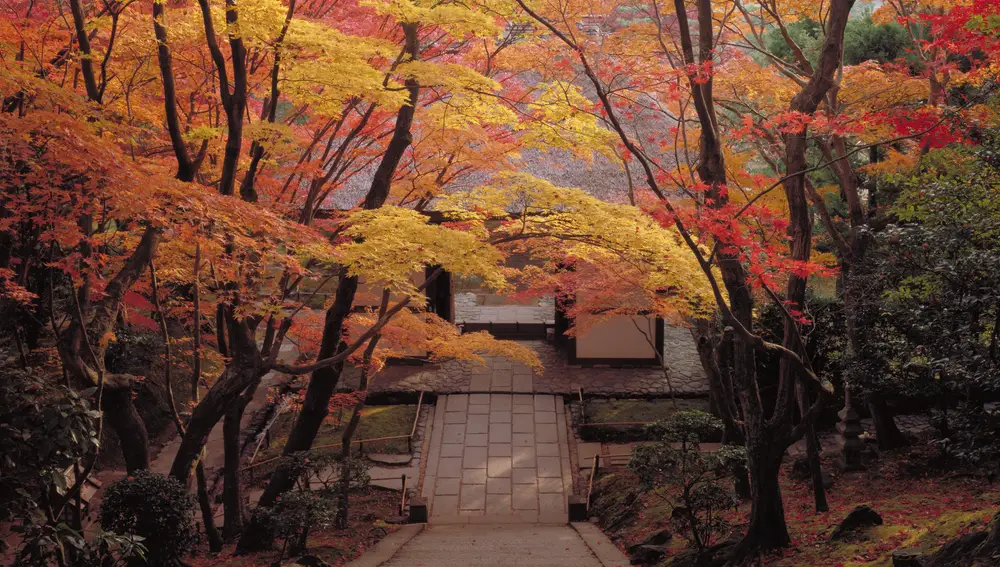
<point>685,374</point>
<point>469,310</point>
<point>499,457</point>
<point>495,546</point>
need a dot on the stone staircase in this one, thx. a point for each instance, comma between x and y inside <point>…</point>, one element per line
<point>491,545</point>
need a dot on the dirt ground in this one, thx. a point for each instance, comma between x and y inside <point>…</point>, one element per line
<point>371,509</point>
<point>921,508</point>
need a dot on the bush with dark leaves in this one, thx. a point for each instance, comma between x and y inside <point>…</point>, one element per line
<point>155,507</point>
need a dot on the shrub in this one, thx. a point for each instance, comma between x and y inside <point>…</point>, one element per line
<point>45,429</point>
<point>317,500</point>
<point>155,507</point>
<point>49,544</point>
<point>971,434</point>
<point>687,479</point>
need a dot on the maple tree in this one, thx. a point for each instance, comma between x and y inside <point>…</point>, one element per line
<point>204,169</point>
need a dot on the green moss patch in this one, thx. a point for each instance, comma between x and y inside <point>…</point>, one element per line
<point>604,416</point>
<point>924,512</point>
<point>376,422</point>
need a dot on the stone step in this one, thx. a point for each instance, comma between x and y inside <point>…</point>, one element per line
<point>546,518</point>
<point>496,545</point>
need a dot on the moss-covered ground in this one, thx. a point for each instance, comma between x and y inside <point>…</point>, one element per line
<point>920,509</point>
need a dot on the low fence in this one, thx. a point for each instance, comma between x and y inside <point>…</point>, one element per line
<point>402,497</point>
<point>252,466</point>
<point>609,461</point>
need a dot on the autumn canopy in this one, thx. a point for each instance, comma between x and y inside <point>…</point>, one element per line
<point>244,178</point>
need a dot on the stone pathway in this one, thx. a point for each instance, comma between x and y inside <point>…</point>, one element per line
<point>498,458</point>
<point>469,310</point>
<point>496,546</point>
<point>386,470</point>
<point>501,375</point>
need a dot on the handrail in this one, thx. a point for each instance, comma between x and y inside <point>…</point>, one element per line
<point>596,423</point>
<point>416,419</point>
<point>361,442</point>
<point>402,498</point>
<point>593,474</point>
<point>595,469</point>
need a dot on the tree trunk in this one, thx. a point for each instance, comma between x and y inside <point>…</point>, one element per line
<point>121,415</point>
<point>86,61</point>
<point>187,167</point>
<point>886,432</point>
<point>207,513</point>
<point>232,493</point>
<point>343,504</point>
<point>207,414</point>
<point>767,529</point>
<point>721,393</point>
<point>813,449</point>
<point>324,381</point>
<point>314,410</point>
<point>243,370</point>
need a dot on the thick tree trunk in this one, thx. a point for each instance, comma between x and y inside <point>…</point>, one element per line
<point>232,494</point>
<point>207,414</point>
<point>236,103</point>
<point>234,143</point>
<point>767,529</point>
<point>800,230</point>
<point>121,415</point>
<point>324,381</point>
<point>243,370</point>
<point>721,393</point>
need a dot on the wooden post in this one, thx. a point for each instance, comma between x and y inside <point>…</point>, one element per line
<point>402,498</point>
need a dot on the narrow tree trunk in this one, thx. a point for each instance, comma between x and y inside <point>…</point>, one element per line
<point>86,63</point>
<point>232,493</point>
<point>813,449</point>
<point>187,167</point>
<point>343,504</point>
<point>721,393</point>
<point>343,507</point>
<point>248,190</point>
<point>207,513</point>
<point>214,541</point>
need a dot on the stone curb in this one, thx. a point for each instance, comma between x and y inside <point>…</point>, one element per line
<point>388,547</point>
<point>600,545</point>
